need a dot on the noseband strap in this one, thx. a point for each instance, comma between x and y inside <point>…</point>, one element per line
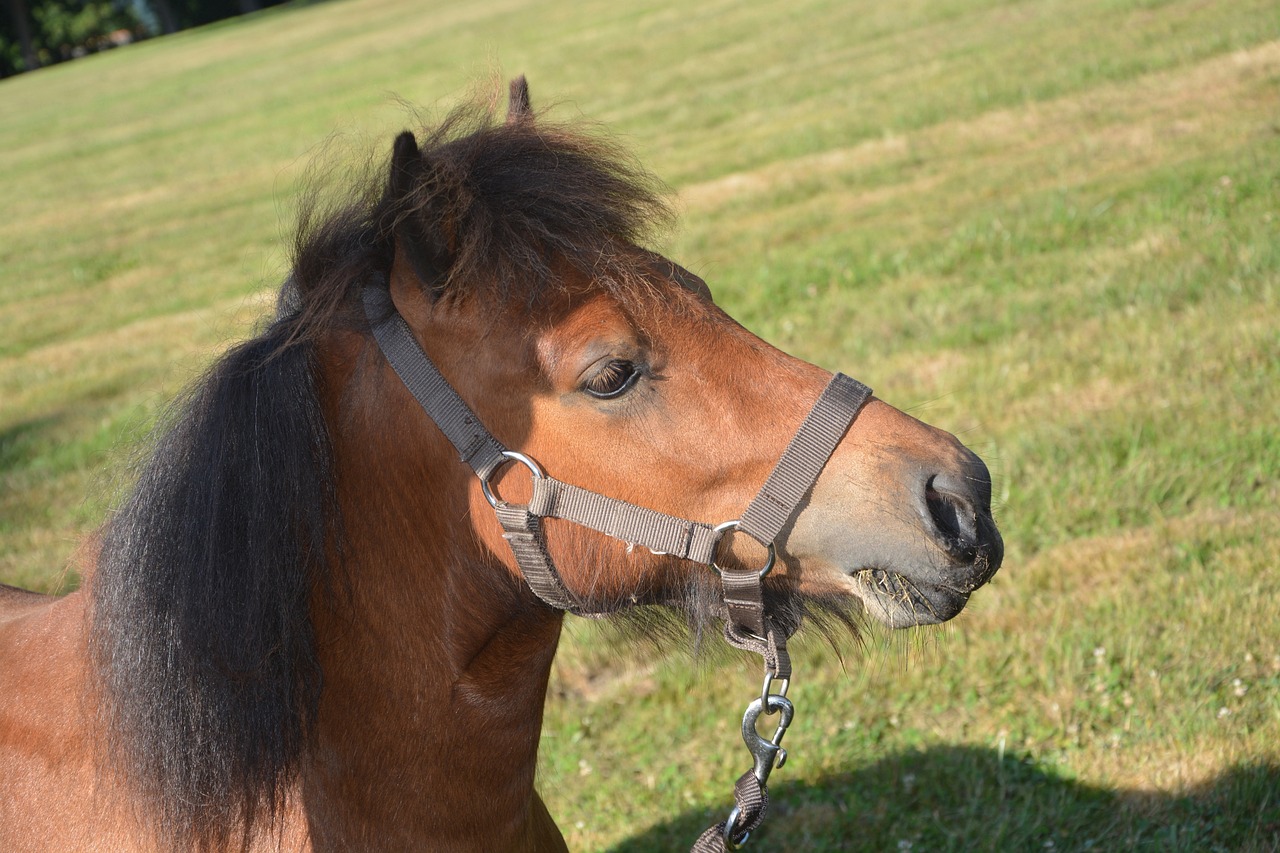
<point>803,460</point>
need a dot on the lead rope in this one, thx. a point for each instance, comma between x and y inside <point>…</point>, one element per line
<point>747,625</point>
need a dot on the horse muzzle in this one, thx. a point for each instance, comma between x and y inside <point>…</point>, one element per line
<point>963,544</point>
<point>907,527</point>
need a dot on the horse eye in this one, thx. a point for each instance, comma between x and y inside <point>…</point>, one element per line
<point>613,380</point>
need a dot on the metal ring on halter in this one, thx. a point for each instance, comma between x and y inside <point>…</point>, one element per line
<point>511,456</point>
<point>730,825</point>
<point>766,690</point>
<point>721,529</point>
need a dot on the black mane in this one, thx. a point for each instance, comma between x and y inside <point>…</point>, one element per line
<point>201,633</point>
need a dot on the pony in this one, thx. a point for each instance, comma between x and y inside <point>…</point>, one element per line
<point>304,629</point>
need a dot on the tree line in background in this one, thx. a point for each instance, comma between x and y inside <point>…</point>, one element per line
<point>35,33</point>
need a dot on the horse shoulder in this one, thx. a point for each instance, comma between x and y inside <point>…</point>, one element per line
<point>47,779</point>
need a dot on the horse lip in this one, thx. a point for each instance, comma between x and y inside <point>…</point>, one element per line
<point>901,601</point>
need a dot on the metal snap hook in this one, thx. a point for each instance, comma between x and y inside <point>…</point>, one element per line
<point>767,752</point>
<point>720,530</point>
<point>511,456</point>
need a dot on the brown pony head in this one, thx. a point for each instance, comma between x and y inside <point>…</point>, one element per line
<point>300,480</point>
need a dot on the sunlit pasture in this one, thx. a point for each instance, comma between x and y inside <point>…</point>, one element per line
<point>1052,228</point>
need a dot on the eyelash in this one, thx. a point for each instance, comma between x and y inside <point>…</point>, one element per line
<point>614,380</point>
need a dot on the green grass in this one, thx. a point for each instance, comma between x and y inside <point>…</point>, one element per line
<point>1051,228</point>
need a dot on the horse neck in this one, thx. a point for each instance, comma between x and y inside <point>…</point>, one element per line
<point>435,660</point>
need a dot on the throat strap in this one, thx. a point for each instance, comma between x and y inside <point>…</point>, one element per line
<point>476,446</point>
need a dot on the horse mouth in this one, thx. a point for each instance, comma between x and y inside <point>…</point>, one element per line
<point>900,601</point>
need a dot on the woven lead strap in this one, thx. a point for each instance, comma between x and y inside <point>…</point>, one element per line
<point>801,463</point>
<point>752,800</point>
<point>475,445</point>
<point>771,646</point>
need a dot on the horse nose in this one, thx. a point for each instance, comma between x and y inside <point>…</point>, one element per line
<point>958,504</point>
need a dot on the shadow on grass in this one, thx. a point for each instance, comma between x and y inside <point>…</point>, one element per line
<point>966,798</point>
<point>20,442</point>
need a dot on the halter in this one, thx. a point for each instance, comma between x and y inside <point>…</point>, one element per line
<point>747,626</point>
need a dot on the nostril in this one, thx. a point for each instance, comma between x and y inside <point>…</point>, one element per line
<point>955,520</point>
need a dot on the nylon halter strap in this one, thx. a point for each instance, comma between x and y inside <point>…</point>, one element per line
<point>763,519</point>
<point>747,625</point>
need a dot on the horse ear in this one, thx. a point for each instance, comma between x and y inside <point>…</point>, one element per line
<point>518,108</point>
<point>406,167</point>
<point>418,234</point>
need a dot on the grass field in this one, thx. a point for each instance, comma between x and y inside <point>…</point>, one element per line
<point>1053,228</point>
